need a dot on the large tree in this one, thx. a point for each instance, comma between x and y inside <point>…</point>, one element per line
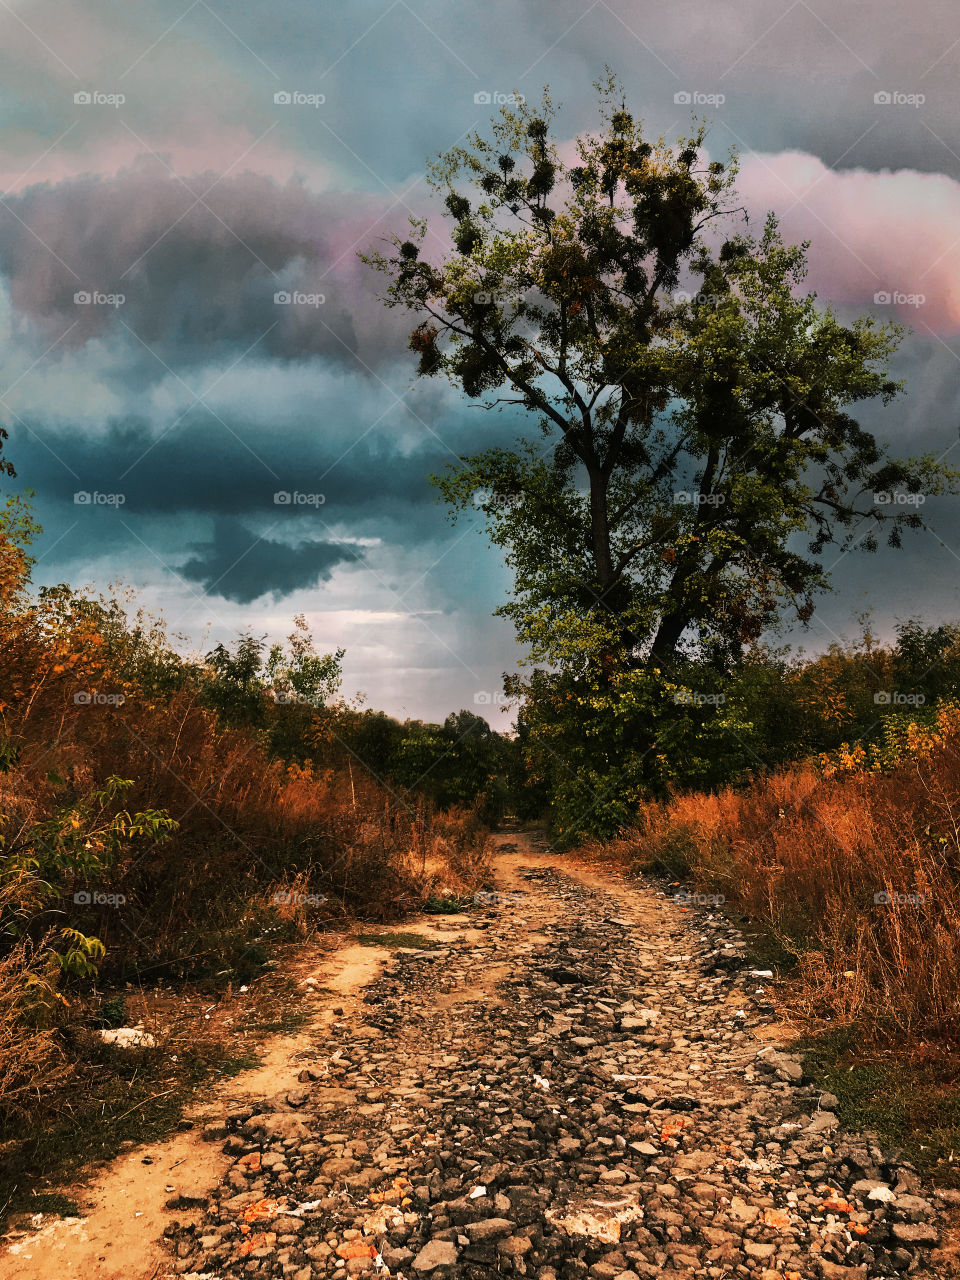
<point>690,438</point>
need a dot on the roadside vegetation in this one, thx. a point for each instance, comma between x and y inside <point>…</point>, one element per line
<point>695,461</point>
<point>167,823</point>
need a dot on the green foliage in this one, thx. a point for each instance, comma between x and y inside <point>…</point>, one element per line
<point>596,748</point>
<point>113,1012</point>
<point>689,438</point>
<point>449,905</point>
<point>460,762</point>
<point>279,689</point>
<point>45,862</point>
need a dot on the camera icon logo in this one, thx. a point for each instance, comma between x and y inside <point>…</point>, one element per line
<point>282,498</point>
<point>883,98</point>
<point>482,699</point>
<point>483,98</point>
<point>82,498</point>
<point>282,298</point>
<point>882,298</point>
<point>83,698</point>
<point>82,898</point>
<point>83,98</point>
<point>82,298</point>
<point>883,698</point>
<point>882,899</point>
<point>282,98</point>
<point>683,98</point>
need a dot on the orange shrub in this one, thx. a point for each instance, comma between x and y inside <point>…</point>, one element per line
<point>857,871</point>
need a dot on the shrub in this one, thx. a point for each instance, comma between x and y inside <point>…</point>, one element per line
<point>856,871</point>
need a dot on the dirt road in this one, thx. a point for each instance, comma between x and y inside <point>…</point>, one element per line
<point>578,1079</point>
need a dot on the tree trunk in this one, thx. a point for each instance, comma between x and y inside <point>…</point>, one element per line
<point>665,642</point>
<point>600,532</point>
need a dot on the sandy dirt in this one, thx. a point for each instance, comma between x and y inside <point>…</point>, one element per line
<point>125,1204</point>
<point>128,1204</point>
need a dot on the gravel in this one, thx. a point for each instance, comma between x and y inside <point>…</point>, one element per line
<point>607,1110</point>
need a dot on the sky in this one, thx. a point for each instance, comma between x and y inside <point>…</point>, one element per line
<point>198,379</point>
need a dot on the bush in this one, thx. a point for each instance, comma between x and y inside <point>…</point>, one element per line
<point>854,871</point>
<point>598,744</point>
<point>166,816</point>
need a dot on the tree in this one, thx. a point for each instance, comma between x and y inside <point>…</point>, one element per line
<point>283,691</point>
<point>689,439</point>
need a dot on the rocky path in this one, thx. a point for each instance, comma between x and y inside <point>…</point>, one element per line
<point>575,1087</point>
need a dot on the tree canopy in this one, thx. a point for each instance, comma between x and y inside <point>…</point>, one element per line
<point>697,448</point>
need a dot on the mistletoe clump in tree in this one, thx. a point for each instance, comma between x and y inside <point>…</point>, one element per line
<point>689,440</point>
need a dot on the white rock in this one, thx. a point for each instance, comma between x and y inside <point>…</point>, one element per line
<point>883,1194</point>
<point>129,1038</point>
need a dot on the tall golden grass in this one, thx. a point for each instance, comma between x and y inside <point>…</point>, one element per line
<point>86,697</point>
<point>855,871</point>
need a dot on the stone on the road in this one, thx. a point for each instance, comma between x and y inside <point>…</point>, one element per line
<point>585,1085</point>
<point>436,1254</point>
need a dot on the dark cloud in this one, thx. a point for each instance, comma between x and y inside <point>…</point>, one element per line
<point>241,566</point>
<point>198,270</point>
<point>208,465</point>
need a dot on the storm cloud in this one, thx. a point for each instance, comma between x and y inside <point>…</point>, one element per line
<point>185,321</point>
<point>195,268</point>
<point>242,566</point>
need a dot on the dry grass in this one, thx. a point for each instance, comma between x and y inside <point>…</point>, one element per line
<point>33,1064</point>
<point>251,830</point>
<point>263,852</point>
<point>857,874</point>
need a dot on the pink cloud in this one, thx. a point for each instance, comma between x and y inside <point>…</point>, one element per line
<point>895,233</point>
<point>224,151</point>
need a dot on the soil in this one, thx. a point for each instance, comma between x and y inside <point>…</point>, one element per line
<point>581,1080</point>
